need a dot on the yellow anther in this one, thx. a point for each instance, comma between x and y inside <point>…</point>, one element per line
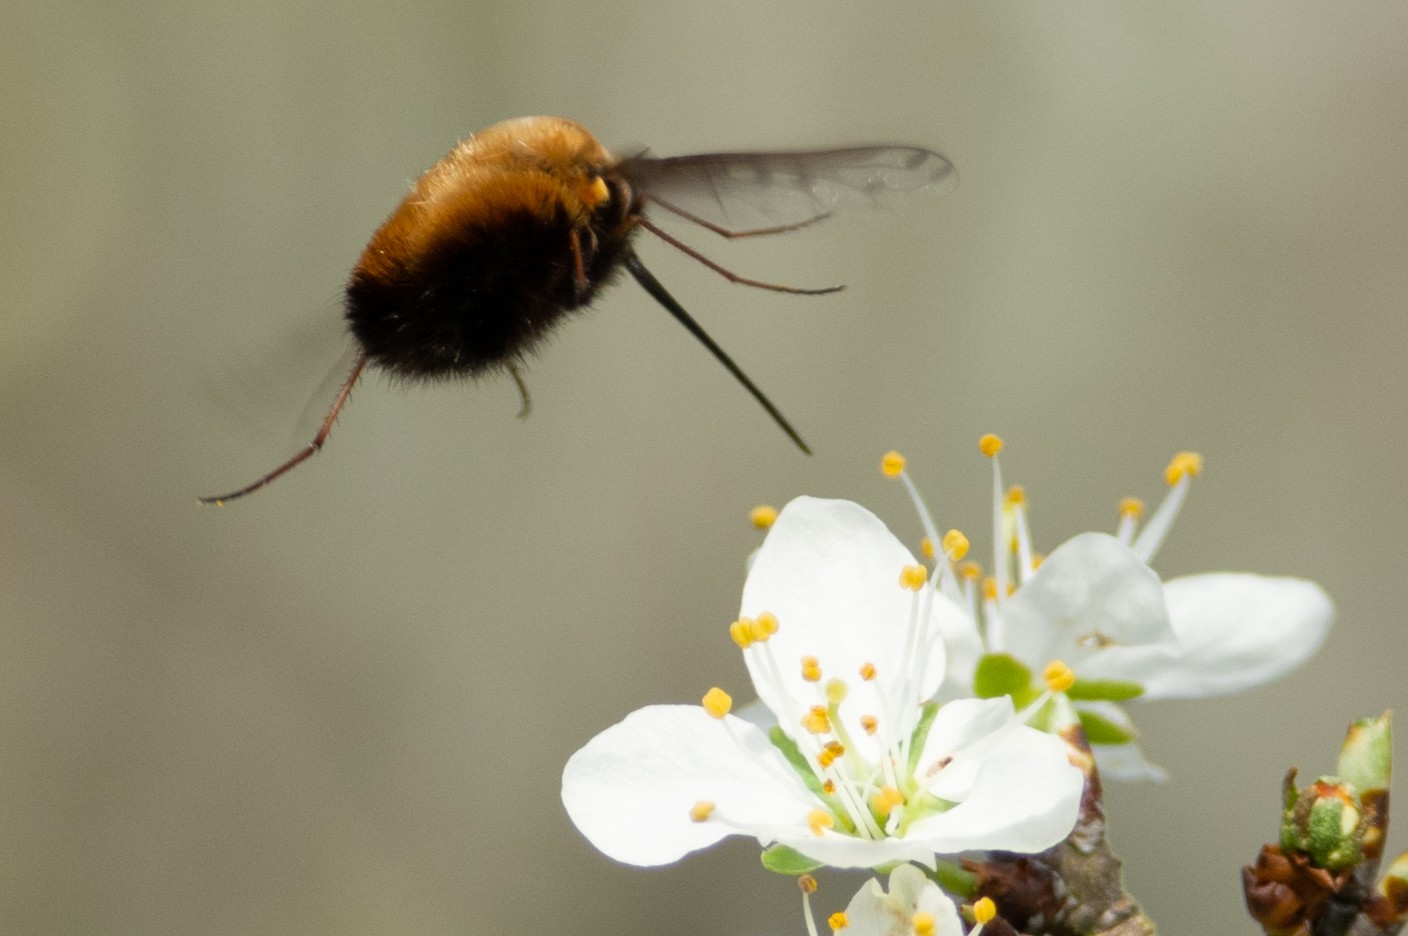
<point>836,690</point>
<point>1016,496</point>
<point>867,671</point>
<point>926,548</point>
<point>886,800</point>
<point>969,570</point>
<point>923,924</point>
<point>1037,560</point>
<point>811,669</point>
<point>828,787</point>
<point>1183,465</point>
<point>913,577</point>
<point>955,545</point>
<point>1131,507</point>
<point>807,884</point>
<point>989,587</point>
<point>838,921</point>
<point>816,721</point>
<point>717,702</point>
<point>984,910</point>
<point>990,445</point>
<point>763,516</point>
<point>892,464</point>
<point>767,624</point>
<point>1058,676</point>
<point>701,811</point>
<point>819,819</point>
<point>870,723</point>
<point>836,748</point>
<point>741,631</point>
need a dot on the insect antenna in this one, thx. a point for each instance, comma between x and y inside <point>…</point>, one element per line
<point>652,285</point>
<point>323,432</point>
<point>725,272</point>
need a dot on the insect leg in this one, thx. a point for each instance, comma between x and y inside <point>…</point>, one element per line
<point>652,285</point>
<point>517,376</point>
<point>732,233</point>
<point>728,274</point>
<point>312,447</point>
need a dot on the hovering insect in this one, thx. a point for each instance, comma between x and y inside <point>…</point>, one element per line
<point>526,220</point>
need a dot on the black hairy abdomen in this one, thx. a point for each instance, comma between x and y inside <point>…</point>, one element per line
<point>478,297</point>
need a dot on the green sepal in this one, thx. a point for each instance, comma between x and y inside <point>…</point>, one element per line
<point>781,859</point>
<point>1103,731</point>
<point>1104,690</point>
<point>797,759</point>
<point>1001,674</point>
<point>954,880</point>
<point>927,711</point>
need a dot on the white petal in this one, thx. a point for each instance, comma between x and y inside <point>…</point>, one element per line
<point>1126,762</point>
<point>1236,631</point>
<point>1093,604</point>
<point>1018,803</point>
<point>960,725</point>
<point>956,781</point>
<point>837,850</point>
<point>631,788</point>
<point>829,570</point>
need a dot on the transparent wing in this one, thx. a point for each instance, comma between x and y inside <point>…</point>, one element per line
<point>749,192</point>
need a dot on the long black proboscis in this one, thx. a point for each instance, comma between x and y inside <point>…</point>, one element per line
<point>653,286</point>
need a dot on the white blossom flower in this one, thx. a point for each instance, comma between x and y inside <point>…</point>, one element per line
<point>842,639</point>
<point>914,906</point>
<point>1095,603</point>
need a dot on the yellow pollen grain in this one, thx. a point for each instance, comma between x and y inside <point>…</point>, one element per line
<point>990,445</point>
<point>955,545</point>
<point>913,577</point>
<point>1058,676</point>
<point>825,759</point>
<point>807,884</point>
<point>811,669</point>
<point>701,811</point>
<point>984,910</point>
<point>969,570</point>
<point>763,516</point>
<point>836,748</point>
<point>717,702</point>
<point>838,921</point>
<point>767,623</point>
<point>870,723</point>
<point>892,464</point>
<point>819,819</point>
<point>1184,464</point>
<point>1131,507</point>
<point>741,631</point>
<point>989,588</point>
<point>1016,496</point>
<point>923,924</point>
<point>867,671</point>
<point>816,721</point>
<point>926,548</point>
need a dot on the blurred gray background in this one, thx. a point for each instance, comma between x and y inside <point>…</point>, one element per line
<point>343,705</point>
